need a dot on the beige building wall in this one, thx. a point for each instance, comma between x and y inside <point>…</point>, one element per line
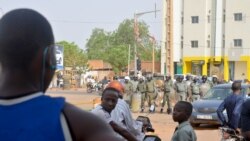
<point>196,31</point>
<point>241,70</point>
<point>237,29</point>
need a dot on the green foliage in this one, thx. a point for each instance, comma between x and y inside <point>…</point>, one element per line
<point>73,55</point>
<point>112,47</point>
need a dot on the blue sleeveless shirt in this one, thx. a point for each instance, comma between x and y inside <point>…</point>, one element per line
<point>35,119</point>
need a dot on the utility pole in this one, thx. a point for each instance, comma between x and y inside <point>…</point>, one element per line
<point>137,33</point>
<point>128,58</point>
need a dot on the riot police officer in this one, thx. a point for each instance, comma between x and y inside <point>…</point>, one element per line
<point>141,88</point>
<point>151,93</point>
<point>205,85</point>
<point>168,86</point>
<point>128,87</point>
<point>195,89</point>
<point>180,88</point>
<point>188,82</point>
<point>214,80</point>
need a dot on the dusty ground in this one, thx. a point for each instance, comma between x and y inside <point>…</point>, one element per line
<point>162,123</point>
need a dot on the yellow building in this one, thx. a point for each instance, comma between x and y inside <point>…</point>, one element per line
<point>212,37</point>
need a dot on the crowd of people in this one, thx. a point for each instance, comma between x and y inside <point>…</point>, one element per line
<point>190,89</point>
<point>27,66</point>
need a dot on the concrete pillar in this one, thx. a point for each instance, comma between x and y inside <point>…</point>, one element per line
<point>226,69</point>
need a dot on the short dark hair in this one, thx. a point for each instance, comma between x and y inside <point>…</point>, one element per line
<point>22,33</point>
<point>187,106</point>
<point>236,86</point>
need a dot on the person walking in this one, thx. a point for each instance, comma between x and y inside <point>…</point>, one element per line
<point>128,86</point>
<point>195,89</point>
<point>168,87</point>
<point>141,88</point>
<point>151,93</point>
<point>180,88</point>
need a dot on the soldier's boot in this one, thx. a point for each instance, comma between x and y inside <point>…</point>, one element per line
<point>169,110</point>
<point>161,110</point>
<point>152,109</point>
<point>142,110</point>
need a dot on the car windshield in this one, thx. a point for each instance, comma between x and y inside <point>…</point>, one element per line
<point>219,93</point>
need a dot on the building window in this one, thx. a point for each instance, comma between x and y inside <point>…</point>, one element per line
<point>195,19</point>
<point>238,42</point>
<point>181,44</point>
<point>194,44</point>
<point>208,19</point>
<point>182,20</point>
<point>224,18</point>
<point>223,43</point>
<point>237,16</point>
<point>208,43</point>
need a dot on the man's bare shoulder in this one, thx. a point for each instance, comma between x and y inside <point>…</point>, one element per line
<point>85,126</point>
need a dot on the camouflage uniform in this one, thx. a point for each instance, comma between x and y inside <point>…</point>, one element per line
<point>141,87</point>
<point>128,87</point>
<point>195,90</point>
<point>181,90</point>
<point>151,94</point>
<point>168,86</point>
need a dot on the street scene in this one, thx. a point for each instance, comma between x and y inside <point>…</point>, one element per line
<point>163,123</point>
<point>134,70</point>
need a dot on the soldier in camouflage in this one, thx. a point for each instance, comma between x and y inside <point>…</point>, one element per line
<point>180,88</point>
<point>151,93</point>
<point>141,87</point>
<point>205,85</point>
<point>188,82</point>
<point>195,89</point>
<point>168,86</point>
<point>128,90</point>
<point>214,80</point>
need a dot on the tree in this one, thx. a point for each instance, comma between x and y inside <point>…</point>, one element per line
<point>112,47</point>
<point>73,55</point>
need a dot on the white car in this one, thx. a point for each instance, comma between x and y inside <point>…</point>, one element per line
<point>59,57</point>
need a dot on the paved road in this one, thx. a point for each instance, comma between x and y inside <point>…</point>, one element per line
<point>163,123</point>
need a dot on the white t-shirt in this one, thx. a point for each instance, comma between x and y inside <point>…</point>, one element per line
<point>100,112</point>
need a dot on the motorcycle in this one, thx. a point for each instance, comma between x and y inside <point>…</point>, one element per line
<point>147,127</point>
<point>229,134</point>
<point>93,87</point>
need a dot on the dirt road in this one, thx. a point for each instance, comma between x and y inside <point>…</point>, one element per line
<point>162,123</point>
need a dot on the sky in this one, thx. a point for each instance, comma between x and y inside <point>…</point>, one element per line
<point>74,20</point>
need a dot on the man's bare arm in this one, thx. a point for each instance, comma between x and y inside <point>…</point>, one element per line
<point>85,126</point>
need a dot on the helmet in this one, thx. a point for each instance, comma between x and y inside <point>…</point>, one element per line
<point>116,85</point>
<point>127,77</point>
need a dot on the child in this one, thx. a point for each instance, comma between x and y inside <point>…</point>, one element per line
<point>181,114</point>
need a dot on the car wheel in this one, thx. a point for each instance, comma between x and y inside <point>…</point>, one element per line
<point>195,124</point>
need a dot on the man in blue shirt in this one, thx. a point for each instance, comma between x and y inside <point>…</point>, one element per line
<point>232,104</point>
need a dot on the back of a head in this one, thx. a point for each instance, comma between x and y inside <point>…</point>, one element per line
<point>187,106</point>
<point>236,86</point>
<point>22,33</point>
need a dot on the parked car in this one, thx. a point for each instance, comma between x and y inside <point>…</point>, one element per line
<point>204,110</point>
